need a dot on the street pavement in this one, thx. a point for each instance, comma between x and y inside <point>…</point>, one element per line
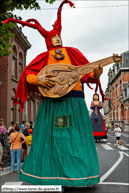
<point>114,169</point>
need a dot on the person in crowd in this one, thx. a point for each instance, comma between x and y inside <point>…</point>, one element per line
<point>25,132</point>
<point>8,139</point>
<point>23,126</point>
<point>118,123</point>
<point>12,130</point>
<point>11,126</point>
<point>31,125</point>
<point>117,132</point>
<point>3,133</point>
<point>110,125</point>
<point>16,148</point>
<point>1,152</point>
<point>29,140</point>
<point>2,127</point>
<point>98,125</point>
<point>106,127</point>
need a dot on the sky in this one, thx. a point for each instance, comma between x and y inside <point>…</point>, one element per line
<point>97,28</point>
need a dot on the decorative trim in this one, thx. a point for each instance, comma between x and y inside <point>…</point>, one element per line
<point>54,178</point>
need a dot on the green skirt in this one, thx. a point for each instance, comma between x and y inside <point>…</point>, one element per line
<point>62,153</point>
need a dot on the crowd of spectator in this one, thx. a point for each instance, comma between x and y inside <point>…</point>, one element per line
<point>16,142</point>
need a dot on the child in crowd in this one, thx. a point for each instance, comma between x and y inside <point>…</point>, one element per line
<point>29,140</point>
<point>117,132</point>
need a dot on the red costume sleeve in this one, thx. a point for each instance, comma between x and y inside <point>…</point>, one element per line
<point>35,25</point>
<point>23,87</point>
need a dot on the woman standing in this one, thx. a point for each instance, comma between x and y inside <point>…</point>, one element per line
<point>98,125</point>
<point>25,133</point>
<point>16,148</point>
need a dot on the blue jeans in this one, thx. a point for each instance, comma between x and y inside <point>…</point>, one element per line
<point>15,153</point>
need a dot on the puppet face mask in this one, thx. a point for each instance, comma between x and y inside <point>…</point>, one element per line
<point>60,122</point>
<point>56,40</point>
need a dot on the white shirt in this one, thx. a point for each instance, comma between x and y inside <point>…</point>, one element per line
<point>117,134</point>
<point>10,128</point>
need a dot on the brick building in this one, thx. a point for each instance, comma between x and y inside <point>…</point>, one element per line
<point>10,70</point>
<point>117,107</point>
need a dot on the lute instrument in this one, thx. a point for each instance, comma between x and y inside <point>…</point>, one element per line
<point>66,76</point>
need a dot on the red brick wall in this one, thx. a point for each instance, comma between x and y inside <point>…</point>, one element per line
<point>115,96</point>
<point>3,88</point>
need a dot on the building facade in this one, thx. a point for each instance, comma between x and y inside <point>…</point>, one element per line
<point>117,107</point>
<point>10,70</point>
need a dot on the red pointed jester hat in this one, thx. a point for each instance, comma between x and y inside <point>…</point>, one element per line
<point>56,27</point>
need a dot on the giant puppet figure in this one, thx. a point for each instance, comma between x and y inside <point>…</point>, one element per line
<point>63,151</point>
<point>97,122</point>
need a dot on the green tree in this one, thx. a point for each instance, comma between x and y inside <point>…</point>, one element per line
<point>10,6</point>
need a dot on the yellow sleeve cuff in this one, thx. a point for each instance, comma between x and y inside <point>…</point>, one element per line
<point>32,79</point>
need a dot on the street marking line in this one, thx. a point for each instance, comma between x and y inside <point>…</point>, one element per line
<point>122,147</point>
<point>125,135</point>
<point>125,154</point>
<point>104,139</point>
<point>12,183</point>
<point>8,169</point>
<point>107,147</point>
<point>111,136</point>
<point>109,143</point>
<point>112,168</point>
<point>115,183</point>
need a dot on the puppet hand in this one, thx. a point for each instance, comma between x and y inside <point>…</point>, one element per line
<point>98,70</point>
<point>45,81</point>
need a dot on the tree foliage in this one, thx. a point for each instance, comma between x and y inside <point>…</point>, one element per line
<point>10,6</point>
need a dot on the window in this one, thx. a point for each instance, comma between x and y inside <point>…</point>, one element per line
<point>20,70</point>
<point>14,67</point>
<point>116,89</point>
<point>118,113</point>
<point>125,92</point>
<point>20,64</point>
<point>125,116</point>
<point>115,112</point>
<point>14,62</point>
<point>12,114</point>
<point>12,110</point>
